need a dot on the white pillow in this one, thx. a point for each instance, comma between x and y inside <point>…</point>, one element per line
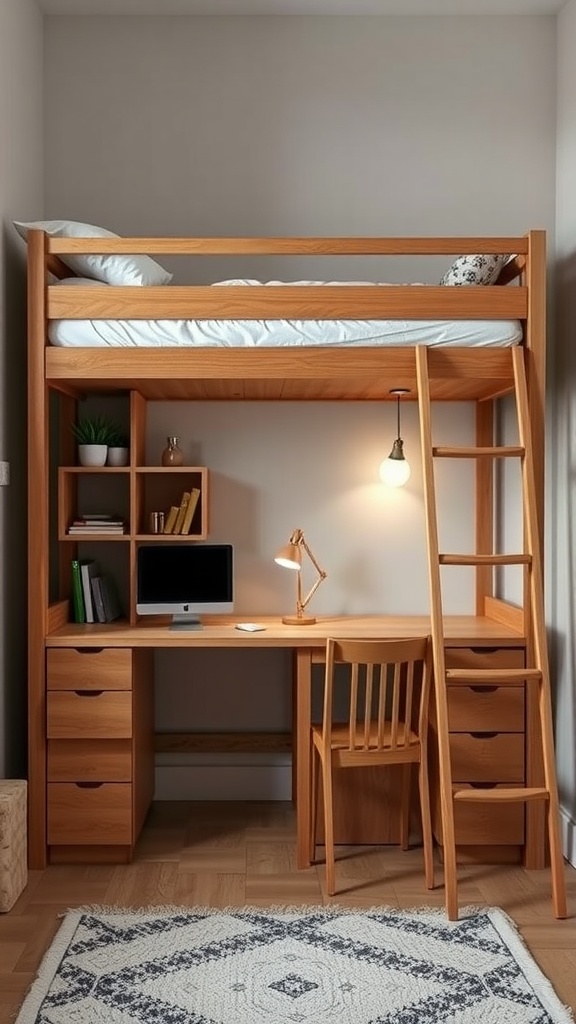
<point>482,269</point>
<point>111,269</point>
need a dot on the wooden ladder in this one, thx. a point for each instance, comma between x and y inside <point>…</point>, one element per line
<point>533,615</point>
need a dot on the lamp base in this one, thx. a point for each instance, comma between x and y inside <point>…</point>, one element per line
<point>298,620</point>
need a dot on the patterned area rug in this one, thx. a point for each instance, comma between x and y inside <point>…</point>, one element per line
<point>316,965</point>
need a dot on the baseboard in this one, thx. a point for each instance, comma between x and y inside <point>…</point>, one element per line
<point>223,782</point>
<point>568,829</point>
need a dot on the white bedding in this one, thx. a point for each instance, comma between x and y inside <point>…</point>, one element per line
<point>279,333</point>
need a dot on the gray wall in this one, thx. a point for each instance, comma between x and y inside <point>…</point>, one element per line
<point>563,409</point>
<point>304,126</point>
<point>21,177</point>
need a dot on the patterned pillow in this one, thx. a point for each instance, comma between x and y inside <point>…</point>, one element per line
<point>475,269</point>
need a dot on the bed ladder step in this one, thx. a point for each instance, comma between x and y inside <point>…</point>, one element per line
<point>494,559</point>
<point>504,452</point>
<point>494,676</point>
<point>536,673</point>
<point>502,795</point>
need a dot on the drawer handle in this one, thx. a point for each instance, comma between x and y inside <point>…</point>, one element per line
<point>484,689</point>
<point>484,650</point>
<point>88,693</point>
<point>89,650</point>
<point>483,735</point>
<point>88,785</point>
<point>482,785</point>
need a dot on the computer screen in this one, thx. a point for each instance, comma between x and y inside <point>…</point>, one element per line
<point>185,580</point>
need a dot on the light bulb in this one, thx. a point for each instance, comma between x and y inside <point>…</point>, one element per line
<point>394,472</point>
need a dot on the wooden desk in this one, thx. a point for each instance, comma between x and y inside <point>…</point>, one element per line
<point>308,643</point>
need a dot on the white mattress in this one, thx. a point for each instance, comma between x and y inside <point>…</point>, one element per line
<point>279,333</point>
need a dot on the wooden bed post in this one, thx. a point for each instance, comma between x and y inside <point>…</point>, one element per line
<point>38,550</point>
<point>535,344</point>
<point>535,356</point>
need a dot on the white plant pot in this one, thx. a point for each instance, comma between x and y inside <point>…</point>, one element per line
<point>117,456</point>
<point>92,454</point>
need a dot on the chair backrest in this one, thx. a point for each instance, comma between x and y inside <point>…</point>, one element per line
<point>388,683</point>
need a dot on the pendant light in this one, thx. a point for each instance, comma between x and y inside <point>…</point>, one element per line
<point>395,470</point>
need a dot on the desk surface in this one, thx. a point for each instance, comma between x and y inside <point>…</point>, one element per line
<point>219,631</point>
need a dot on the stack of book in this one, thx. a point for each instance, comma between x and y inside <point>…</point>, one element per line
<point>94,596</point>
<point>179,518</point>
<point>101,523</point>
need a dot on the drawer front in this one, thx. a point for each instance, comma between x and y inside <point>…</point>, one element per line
<point>106,668</point>
<point>486,824</point>
<point>488,657</point>
<point>89,760</point>
<point>487,757</point>
<point>89,815</point>
<point>89,714</point>
<point>486,708</point>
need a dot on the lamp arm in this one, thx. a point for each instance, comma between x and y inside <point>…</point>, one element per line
<point>312,591</point>
<point>321,574</point>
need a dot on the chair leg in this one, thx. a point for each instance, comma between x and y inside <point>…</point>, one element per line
<point>427,842</point>
<point>313,801</point>
<point>405,806</point>
<point>328,826</point>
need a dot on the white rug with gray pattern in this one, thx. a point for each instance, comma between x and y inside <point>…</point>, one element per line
<point>314,965</point>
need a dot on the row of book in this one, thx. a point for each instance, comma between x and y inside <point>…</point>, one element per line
<point>97,523</point>
<point>94,595</point>
<point>179,517</point>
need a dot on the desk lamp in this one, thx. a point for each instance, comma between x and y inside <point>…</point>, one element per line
<point>290,556</point>
<point>395,470</point>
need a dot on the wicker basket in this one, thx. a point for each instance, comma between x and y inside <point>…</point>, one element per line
<point>13,852</point>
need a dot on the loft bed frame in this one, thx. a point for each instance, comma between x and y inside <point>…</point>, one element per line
<point>288,374</point>
<point>293,374</point>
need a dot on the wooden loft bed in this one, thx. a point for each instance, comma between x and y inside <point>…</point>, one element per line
<point>290,374</point>
<point>319,373</point>
<point>287,373</point>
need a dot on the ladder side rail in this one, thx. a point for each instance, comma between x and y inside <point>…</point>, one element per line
<point>536,586</point>
<point>484,504</point>
<point>439,660</point>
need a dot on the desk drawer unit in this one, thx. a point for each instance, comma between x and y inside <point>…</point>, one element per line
<point>99,726</point>
<point>488,748</point>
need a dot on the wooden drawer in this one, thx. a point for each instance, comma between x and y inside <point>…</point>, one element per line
<point>89,814</point>
<point>90,760</point>
<point>106,668</point>
<point>487,757</point>
<point>487,657</point>
<point>486,708</point>
<point>486,824</point>
<point>89,714</point>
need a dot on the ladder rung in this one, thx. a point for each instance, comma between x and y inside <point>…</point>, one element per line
<point>506,452</point>
<point>491,675</point>
<point>502,795</point>
<point>485,559</point>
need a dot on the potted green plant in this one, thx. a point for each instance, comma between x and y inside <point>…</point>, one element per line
<point>92,436</point>
<point>118,447</point>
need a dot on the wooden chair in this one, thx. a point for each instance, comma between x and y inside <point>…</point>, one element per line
<point>387,724</point>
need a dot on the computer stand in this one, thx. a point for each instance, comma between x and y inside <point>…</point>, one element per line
<point>184,621</point>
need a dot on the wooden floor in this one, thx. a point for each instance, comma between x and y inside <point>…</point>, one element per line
<point>236,854</point>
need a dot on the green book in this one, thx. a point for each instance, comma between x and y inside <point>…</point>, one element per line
<point>77,598</point>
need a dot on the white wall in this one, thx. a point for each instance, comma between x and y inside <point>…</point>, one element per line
<point>564,409</point>
<point>304,126</point>
<point>21,175</point>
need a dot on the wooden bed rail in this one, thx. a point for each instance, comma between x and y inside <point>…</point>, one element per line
<point>290,246</point>
<point>413,302</point>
